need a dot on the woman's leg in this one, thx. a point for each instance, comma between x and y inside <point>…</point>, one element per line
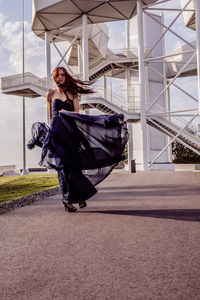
<point>74,186</point>
<point>63,178</point>
<point>80,187</point>
<point>64,184</point>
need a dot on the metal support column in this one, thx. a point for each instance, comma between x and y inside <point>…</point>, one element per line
<point>85,53</point>
<point>130,146</point>
<point>197,20</point>
<point>128,88</point>
<point>47,55</point>
<point>167,92</point>
<point>142,81</point>
<point>127,34</point>
<point>129,105</point>
<point>47,63</point>
<point>24,171</point>
<point>80,59</point>
<point>85,48</point>
<point>105,86</point>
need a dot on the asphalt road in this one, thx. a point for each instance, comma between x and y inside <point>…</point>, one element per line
<point>139,238</point>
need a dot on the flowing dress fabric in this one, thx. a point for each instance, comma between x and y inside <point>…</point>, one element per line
<point>83,148</point>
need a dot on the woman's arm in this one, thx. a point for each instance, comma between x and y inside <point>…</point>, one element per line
<point>49,96</point>
<point>76,100</point>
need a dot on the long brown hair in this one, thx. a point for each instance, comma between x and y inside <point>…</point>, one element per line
<point>71,85</point>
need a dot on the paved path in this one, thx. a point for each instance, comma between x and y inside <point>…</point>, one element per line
<point>139,239</point>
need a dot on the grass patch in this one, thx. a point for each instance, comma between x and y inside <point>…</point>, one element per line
<point>16,187</point>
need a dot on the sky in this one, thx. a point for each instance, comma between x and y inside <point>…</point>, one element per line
<point>11,63</point>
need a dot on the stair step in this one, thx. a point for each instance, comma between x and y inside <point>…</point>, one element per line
<point>159,125</point>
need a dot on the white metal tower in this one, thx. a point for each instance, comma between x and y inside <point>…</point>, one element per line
<point>148,69</point>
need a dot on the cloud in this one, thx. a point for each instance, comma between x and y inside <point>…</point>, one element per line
<point>11,127</point>
<point>178,26</point>
<point>117,40</point>
<point>11,37</point>
<point>11,106</point>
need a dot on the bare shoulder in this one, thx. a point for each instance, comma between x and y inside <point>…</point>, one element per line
<point>50,93</point>
<point>76,98</point>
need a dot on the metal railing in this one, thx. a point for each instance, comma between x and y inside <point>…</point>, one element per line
<point>28,78</point>
<point>95,61</point>
<point>116,100</point>
<point>177,121</point>
<point>116,55</point>
<point>192,129</point>
<point>127,52</point>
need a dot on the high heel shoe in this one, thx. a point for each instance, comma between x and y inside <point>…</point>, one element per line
<point>69,207</point>
<point>82,204</point>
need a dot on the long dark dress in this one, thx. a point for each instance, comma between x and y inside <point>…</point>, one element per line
<point>83,149</point>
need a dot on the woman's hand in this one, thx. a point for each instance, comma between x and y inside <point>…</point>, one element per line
<point>69,111</point>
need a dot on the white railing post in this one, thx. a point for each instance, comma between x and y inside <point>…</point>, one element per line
<point>142,81</point>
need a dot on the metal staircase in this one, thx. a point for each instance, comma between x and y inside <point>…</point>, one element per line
<point>115,61</point>
<point>28,85</point>
<point>111,103</point>
<point>187,138</point>
<point>106,107</point>
<point>101,72</point>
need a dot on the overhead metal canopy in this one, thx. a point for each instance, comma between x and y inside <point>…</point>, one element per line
<point>53,15</point>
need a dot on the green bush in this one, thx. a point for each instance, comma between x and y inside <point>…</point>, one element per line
<point>183,155</point>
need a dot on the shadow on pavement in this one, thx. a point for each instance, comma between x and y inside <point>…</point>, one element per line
<point>177,214</point>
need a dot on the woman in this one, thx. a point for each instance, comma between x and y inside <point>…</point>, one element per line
<point>77,143</point>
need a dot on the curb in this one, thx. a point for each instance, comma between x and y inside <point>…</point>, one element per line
<point>6,207</point>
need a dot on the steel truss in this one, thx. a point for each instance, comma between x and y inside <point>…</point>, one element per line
<point>194,51</point>
<point>66,52</point>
